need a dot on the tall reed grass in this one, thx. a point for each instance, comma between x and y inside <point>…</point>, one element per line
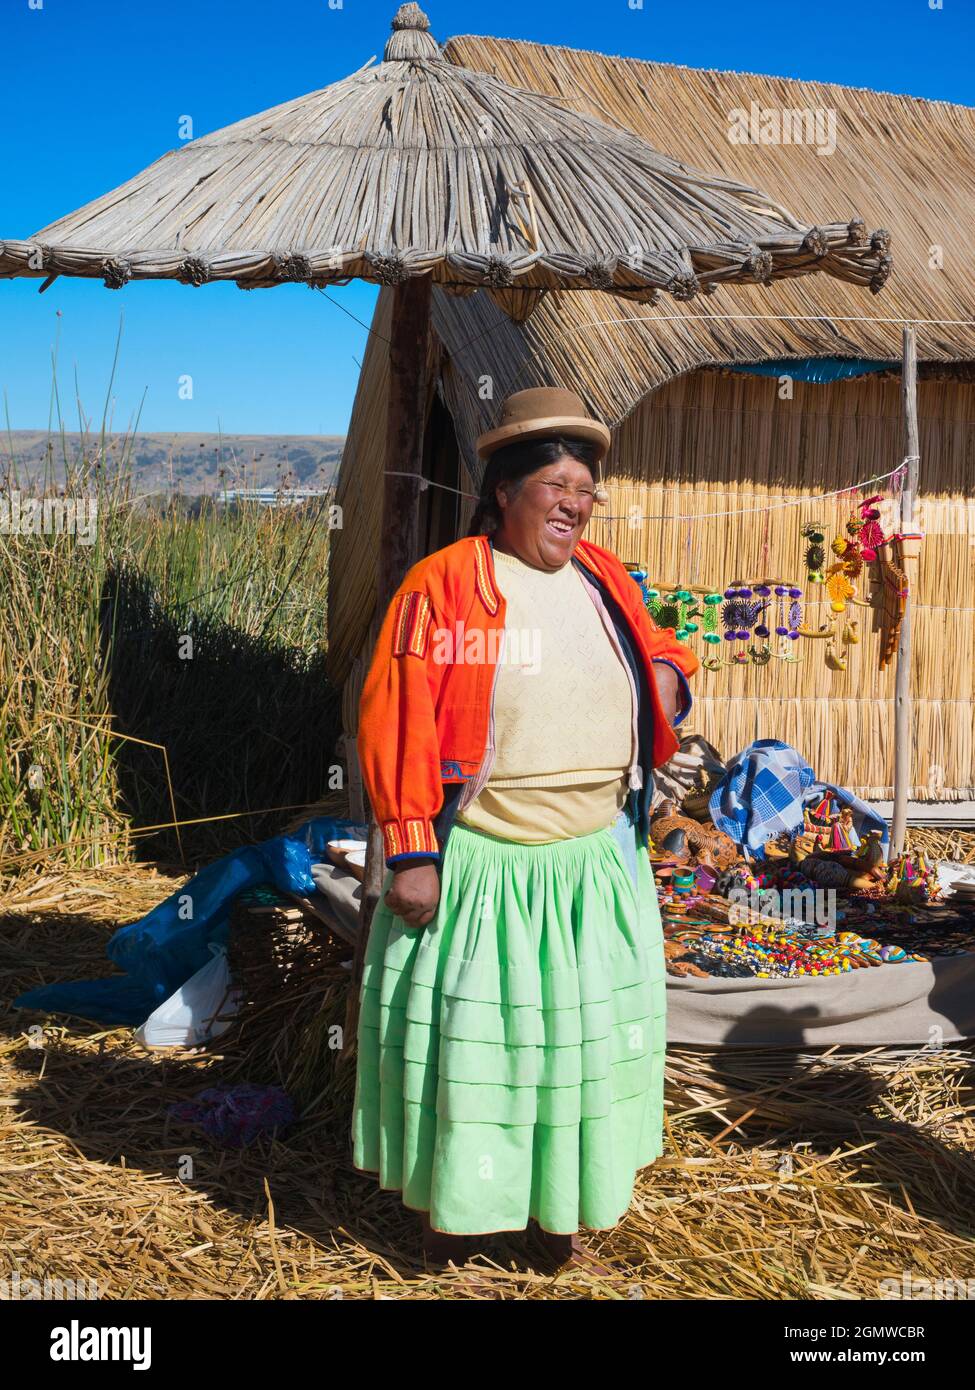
<point>199,634</point>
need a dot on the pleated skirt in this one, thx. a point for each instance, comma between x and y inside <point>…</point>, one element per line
<point>511,1053</point>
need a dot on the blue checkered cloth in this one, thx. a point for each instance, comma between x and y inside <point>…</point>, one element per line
<point>764,792</point>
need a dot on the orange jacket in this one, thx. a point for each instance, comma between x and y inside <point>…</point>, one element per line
<point>426,728</point>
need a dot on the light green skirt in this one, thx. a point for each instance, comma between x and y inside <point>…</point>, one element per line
<point>511,1053</point>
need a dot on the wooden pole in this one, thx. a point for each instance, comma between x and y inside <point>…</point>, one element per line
<point>398,543</point>
<point>903,710</point>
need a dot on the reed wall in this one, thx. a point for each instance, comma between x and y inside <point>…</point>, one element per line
<point>717,442</point>
<point>714,442</point>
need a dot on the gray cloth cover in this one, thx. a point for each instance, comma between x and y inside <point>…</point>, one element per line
<point>913,1002</point>
<point>341,890</point>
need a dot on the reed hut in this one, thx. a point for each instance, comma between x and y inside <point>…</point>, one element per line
<point>739,404</point>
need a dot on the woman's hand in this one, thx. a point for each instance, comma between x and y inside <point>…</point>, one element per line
<point>666,678</point>
<point>415,894</point>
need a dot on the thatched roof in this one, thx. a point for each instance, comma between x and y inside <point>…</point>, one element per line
<point>900,162</point>
<point>416,164</point>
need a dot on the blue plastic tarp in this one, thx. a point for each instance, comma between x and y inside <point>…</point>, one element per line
<point>819,369</point>
<point>172,942</point>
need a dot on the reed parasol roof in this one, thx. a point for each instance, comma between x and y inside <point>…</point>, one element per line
<point>417,165</point>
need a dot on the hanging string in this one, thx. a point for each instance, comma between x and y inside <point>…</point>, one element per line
<point>687,317</point>
<point>543,371</point>
<point>777,318</point>
<point>777,506</point>
<point>428,482</point>
<point>895,474</point>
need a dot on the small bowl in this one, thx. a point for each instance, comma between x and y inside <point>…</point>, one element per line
<point>349,855</point>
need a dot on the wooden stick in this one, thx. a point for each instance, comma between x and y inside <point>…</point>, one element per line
<point>405,420</point>
<point>903,720</point>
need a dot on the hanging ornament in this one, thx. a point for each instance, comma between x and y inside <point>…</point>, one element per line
<point>893,593</point>
<point>788,627</point>
<point>854,525</point>
<point>851,633</point>
<point>762,655</point>
<point>754,609</point>
<point>894,603</point>
<point>789,623</point>
<point>678,606</point>
<point>709,620</point>
<point>738,615</point>
<point>692,610</point>
<point>856,548</point>
<point>711,635</point>
<point>839,586</point>
<point>669,615</point>
<point>815,553</point>
<point>871,535</point>
<point>833,661</point>
<point>685,610</point>
<point>781,629</point>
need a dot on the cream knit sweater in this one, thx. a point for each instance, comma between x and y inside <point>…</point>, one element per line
<point>563,713</point>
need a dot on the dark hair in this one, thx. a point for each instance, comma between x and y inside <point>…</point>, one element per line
<point>514,463</point>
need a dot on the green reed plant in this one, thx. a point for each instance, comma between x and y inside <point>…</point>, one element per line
<point>93,647</point>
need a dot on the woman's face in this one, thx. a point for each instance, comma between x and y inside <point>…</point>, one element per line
<point>544,517</point>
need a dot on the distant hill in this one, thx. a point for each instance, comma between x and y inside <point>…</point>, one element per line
<point>191,463</point>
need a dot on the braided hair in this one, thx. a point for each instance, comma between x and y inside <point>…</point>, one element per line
<point>513,464</point>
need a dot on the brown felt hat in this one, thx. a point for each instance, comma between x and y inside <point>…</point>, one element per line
<point>541,411</point>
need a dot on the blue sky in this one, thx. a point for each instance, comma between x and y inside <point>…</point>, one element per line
<point>94,90</point>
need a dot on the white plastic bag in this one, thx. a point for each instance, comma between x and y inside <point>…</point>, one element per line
<point>188,1017</point>
<point>952,876</point>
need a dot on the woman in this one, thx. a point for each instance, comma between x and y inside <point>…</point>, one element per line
<point>511,1035</point>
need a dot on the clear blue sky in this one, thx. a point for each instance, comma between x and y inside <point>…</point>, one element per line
<point>93,91</point>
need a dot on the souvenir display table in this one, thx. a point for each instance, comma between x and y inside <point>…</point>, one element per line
<point>884,972</point>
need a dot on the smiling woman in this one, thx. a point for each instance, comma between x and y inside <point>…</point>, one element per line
<point>510,1060</point>
<point>538,496</point>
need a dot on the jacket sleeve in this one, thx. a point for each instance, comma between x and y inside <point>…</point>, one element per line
<point>399,749</point>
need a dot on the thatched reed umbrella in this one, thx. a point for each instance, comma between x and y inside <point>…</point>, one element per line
<point>416,166</point>
<point>415,171</point>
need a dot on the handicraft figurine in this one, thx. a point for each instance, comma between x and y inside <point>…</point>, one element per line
<point>829,852</point>
<point>690,842</point>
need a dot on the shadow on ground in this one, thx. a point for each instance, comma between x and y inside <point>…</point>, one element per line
<point>247,724</point>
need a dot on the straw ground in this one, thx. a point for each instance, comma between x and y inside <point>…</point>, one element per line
<point>784,1176</point>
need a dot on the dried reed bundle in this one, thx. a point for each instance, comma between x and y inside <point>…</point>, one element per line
<point>942,843</point>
